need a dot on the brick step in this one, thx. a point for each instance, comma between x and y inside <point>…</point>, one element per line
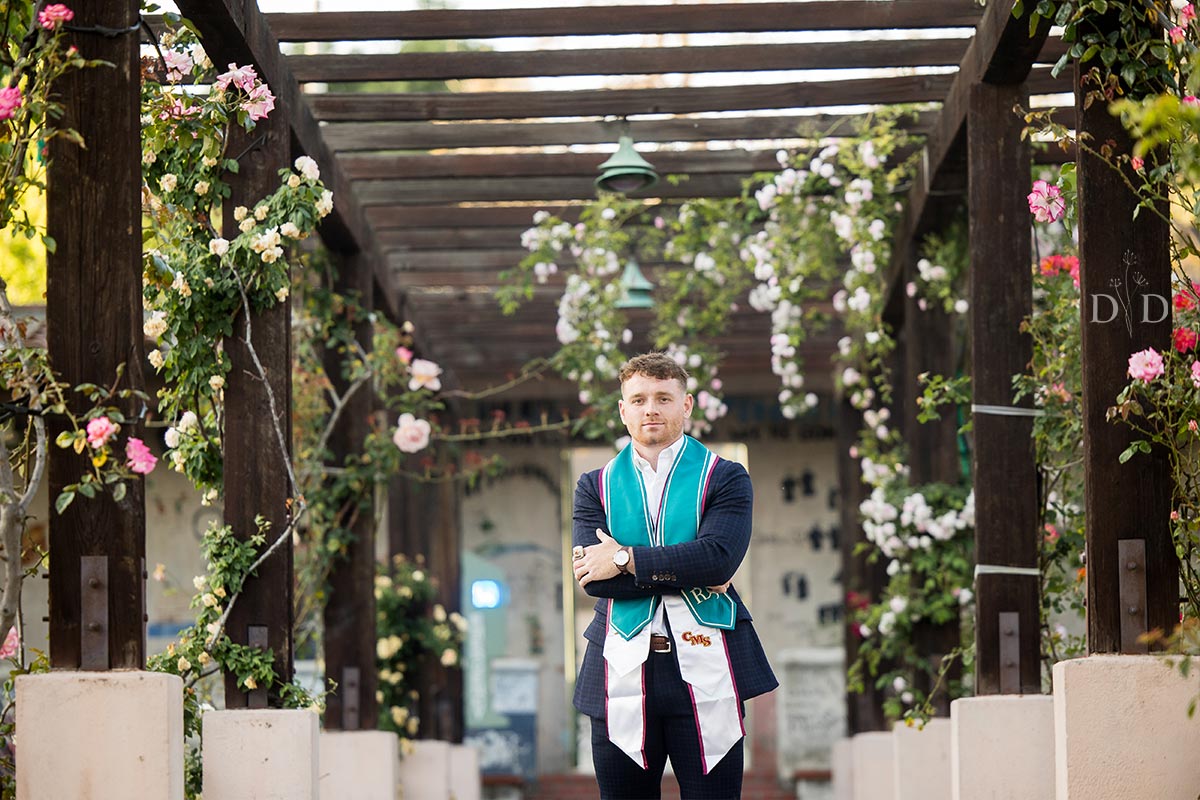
<point>755,786</point>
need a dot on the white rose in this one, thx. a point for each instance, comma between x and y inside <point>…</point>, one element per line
<point>424,375</point>
<point>201,188</point>
<point>293,181</point>
<point>217,382</point>
<point>171,437</point>
<point>218,246</point>
<point>155,358</point>
<point>308,168</point>
<point>325,204</point>
<point>412,434</point>
<point>167,182</point>
<point>260,212</point>
<point>155,326</point>
<point>289,230</point>
<point>189,421</point>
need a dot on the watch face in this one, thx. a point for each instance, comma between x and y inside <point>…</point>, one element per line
<point>621,558</point>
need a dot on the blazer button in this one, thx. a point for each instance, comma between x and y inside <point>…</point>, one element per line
<point>656,576</point>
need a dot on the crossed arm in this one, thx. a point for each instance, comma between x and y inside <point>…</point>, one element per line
<point>709,560</point>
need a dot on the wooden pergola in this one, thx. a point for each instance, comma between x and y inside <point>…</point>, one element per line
<point>432,192</point>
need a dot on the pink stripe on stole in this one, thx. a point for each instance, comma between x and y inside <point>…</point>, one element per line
<point>707,481</point>
<point>607,632</point>
<point>699,733</point>
<point>600,485</point>
<point>736,695</point>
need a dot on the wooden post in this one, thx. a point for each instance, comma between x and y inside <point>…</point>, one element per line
<point>1124,502</point>
<point>1005,471</point>
<point>350,630</point>
<point>256,477</point>
<point>860,580</point>
<point>932,453</point>
<point>94,319</point>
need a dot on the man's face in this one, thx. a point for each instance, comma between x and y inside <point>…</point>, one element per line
<point>654,409</point>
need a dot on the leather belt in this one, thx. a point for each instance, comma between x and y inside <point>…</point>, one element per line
<point>660,644</point>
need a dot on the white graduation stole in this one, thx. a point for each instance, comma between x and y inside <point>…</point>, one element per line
<point>703,653</point>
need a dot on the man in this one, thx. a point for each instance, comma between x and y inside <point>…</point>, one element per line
<point>672,655</point>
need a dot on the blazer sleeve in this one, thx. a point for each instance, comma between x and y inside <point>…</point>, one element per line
<point>720,544</point>
<point>588,516</point>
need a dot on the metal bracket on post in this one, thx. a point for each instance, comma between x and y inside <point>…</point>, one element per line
<point>351,682</point>
<point>1131,558</point>
<point>93,613</point>
<point>1010,652</point>
<point>256,636</point>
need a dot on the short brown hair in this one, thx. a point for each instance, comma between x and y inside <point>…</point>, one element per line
<point>654,365</point>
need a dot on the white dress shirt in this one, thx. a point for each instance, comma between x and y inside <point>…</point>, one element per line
<point>655,477</point>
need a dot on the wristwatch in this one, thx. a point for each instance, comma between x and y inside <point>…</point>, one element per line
<point>621,559</point>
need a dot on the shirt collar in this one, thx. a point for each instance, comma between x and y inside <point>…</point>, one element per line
<point>668,454</point>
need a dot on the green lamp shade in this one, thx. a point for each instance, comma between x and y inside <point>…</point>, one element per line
<point>626,171</point>
<point>635,289</point>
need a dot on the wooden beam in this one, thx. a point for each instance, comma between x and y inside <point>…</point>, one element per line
<point>449,190</point>
<point>1002,51</point>
<point>1131,501</point>
<point>349,615</point>
<point>450,238</point>
<point>646,19</point>
<point>234,31</point>
<point>334,68</point>
<point>94,326</point>
<point>381,166</point>
<point>1004,468</point>
<point>355,136</point>
<point>256,478</point>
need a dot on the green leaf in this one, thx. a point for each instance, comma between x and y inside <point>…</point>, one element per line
<point>119,492</point>
<point>64,500</point>
<point>1127,453</point>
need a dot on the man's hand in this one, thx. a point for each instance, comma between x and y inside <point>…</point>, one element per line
<point>597,563</point>
<point>723,588</point>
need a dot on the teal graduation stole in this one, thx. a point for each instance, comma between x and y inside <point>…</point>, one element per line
<point>623,495</point>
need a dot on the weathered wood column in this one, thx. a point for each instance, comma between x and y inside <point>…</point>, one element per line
<point>1132,572</point>
<point>860,580</point>
<point>350,629</point>
<point>1007,626</point>
<point>423,519</point>
<point>256,474</point>
<point>94,320</point>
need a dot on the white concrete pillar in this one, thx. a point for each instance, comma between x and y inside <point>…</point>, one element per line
<point>260,754</point>
<point>874,754</point>
<point>466,782</point>
<point>359,765</point>
<point>1121,730</point>
<point>100,735</point>
<point>843,769</point>
<point>922,760</point>
<point>1002,746</point>
<point>425,772</point>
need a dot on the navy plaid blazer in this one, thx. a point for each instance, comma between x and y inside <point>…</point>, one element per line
<point>709,560</point>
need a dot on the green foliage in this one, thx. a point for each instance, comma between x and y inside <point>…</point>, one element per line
<point>413,633</point>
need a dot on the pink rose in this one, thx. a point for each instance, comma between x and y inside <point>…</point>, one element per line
<point>1187,14</point>
<point>99,431</point>
<point>138,457</point>
<point>12,644</point>
<point>412,434</point>
<point>54,15</point>
<point>1176,34</point>
<point>260,104</point>
<point>404,354</point>
<point>1196,383</point>
<point>241,77</point>
<point>1046,202</point>
<point>10,101</point>
<point>1146,365</point>
<point>1190,100</point>
<point>1192,426</point>
<point>1137,163</point>
<point>1185,339</point>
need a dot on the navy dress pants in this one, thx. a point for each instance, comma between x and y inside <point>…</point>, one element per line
<point>670,733</point>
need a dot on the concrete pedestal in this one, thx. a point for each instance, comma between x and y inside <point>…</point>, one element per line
<point>922,761</point>
<point>359,765</point>
<point>843,769</point>
<point>1121,730</point>
<point>465,780</point>
<point>874,773</point>
<point>100,735</point>
<point>1002,746</point>
<point>260,755</point>
<point>425,772</point>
